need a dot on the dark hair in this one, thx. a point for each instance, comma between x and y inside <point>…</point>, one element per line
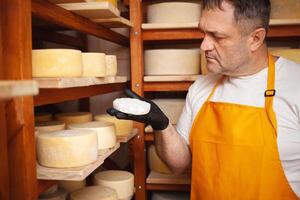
<point>256,11</point>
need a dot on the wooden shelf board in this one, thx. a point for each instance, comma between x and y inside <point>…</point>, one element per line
<point>50,96</point>
<point>283,22</point>
<point>60,83</point>
<point>167,187</point>
<point>66,1</point>
<point>10,89</point>
<point>76,173</point>
<point>92,10</point>
<point>170,78</point>
<point>170,179</point>
<point>51,13</point>
<point>126,138</point>
<point>167,86</point>
<point>118,22</point>
<point>157,26</point>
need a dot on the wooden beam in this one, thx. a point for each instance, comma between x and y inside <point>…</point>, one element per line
<point>168,187</point>
<point>19,111</point>
<point>57,15</point>
<point>137,74</point>
<point>167,86</point>
<point>59,38</point>
<point>172,34</point>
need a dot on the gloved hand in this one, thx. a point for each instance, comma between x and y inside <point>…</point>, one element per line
<point>156,118</point>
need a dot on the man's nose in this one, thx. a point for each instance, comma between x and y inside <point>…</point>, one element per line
<point>207,44</point>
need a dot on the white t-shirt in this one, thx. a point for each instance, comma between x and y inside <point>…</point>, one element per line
<point>249,90</point>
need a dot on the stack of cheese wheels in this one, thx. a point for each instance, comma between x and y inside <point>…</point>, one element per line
<point>67,148</point>
<point>285,9</point>
<point>121,181</point>
<point>72,186</point>
<point>123,127</point>
<point>173,12</point>
<point>170,196</point>
<point>49,63</point>
<point>171,107</point>
<point>111,65</point>
<point>74,117</point>
<point>155,163</point>
<point>172,62</point>
<point>106,132</point>
<point>291,54</point>
<point>50,126</point>
<point>94,193</point>
<point>42,117</point>
<point>94,65</point>
<point>60,194</point>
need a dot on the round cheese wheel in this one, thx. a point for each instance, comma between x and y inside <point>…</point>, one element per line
<point>94,64</point>
<point>172,62</point>
<point>60,194</point>
<point>42,117</point>
<point>121,181</point>
<point>291,54</point>
<point>131,106</point>
<point>67,148</point>
<point>94,193</point>
<point>170,196</point>
<point>49,126</point>
<point>111,65</point>
<point>173,12</point>
<point>155,163</point>
<point>171,107</point>
<point>72,186</point>
<point>285,9</point>
<point>123,127</point>
<point>74,117</point>
<point>47,63</point>
<point>106,132</point>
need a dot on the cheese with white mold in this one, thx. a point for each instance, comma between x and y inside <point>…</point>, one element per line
<point>67,148</point>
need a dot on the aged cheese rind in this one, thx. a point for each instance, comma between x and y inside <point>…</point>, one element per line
<point>123,127</point>
<point>94,193</point>
<point>111,65</point>
<point>106,132</point>
<point>94,64</point>
<point>172,62</point>
<point>285,9</point>
<point>67,148</point>
<point>121,181</point>
<point>72,186</point>
<point>49,126</point>
<point>51,63</point>
<point>74,117</point>
<point>291,54</point>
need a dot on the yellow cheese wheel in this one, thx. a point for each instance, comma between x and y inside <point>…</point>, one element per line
<point>106,132</point>
<point>42,117</point>
<point>123,127</point>
<point>121,181</point>
<point>94,65</point>
<point>285,9</point>
<point>49,126</point>
<point>49,63</point>
<point>291,54</point>
<point>155,163</point>
<point>67,148</point>
<point>171,107</point>
<point>74,117</point>
<point>72,186</point>
<point>94,193</point>
<point>111,65</point>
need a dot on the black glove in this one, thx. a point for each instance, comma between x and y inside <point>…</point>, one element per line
<point>156,118</point>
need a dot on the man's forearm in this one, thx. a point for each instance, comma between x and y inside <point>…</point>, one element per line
<point>172,149</point>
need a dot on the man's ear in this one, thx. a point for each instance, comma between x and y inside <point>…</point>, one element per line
<point>257,38</point>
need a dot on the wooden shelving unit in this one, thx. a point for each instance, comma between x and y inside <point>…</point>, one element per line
<point>19,177</point>
<point>167,33</point>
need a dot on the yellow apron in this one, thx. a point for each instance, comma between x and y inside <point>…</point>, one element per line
<point>234,151</point>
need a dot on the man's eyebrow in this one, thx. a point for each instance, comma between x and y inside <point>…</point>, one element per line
<point>211,31</point>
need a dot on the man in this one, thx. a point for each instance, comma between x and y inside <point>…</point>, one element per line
<point>240,127</point>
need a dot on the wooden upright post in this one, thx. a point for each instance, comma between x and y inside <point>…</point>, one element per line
<point>137,74</point>
<point>17,46</point>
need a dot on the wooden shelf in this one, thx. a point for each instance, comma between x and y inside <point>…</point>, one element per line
<point>10,89</point>
<point>167,86</point>
<point>170,78</point>
<point>51,12</point>
<point>126,138</point>
<point>50,96</point>
<point>76,173</point>
<point>119,22</point>
<point>167,187</point>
